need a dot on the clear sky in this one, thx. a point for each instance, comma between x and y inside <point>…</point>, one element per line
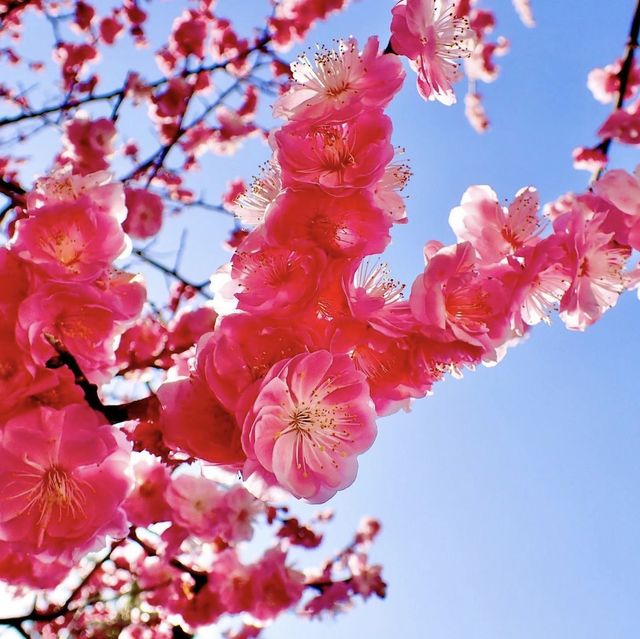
<point>510,499</point>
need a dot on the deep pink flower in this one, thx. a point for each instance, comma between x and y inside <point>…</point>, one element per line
<point>243,349</point>
<point>194,420</point>
<point>311,418</point>
<point>144,213</point>
<point>89,143</point>
<point>432,37</point>
<point>276,280</point>
<point>454,295</point>
<point>349,226</point>
<point>64,478</point>
<point>277,587</point>
<point>338,158</point>
<point>79,318</point>
<point>147,503</point>
<point>70,240</point>
<point>623,125</point>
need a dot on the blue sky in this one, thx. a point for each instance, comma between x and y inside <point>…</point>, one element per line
<point>510,499</point>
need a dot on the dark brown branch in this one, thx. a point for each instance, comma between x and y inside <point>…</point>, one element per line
<point>65,608</point>
<point>624,75</point>
<point>114,413</point>
<point>120,93</point>
<point>199,577</point>
<point>171,272</point>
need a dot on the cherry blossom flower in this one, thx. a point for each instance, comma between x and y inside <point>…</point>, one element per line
<point>64,478</point>
<point>339,159</point>
<point>69,241</point>
<point>311,417</point>
<point>432,37</point>
<point>344,84</point>
<point>144,214</point>
<point>494,231</point>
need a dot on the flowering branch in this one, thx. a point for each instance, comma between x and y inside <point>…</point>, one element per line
<point>623,75</point>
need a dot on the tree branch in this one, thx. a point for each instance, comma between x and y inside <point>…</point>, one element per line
<point>623,75</point>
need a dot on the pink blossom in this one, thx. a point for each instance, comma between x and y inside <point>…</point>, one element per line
<point>25,569</point>
<point>344,84</point>
<point>595,263</point>
<point>144,213</point>
<point>311,417</point>
<point>337,158</point>
<point>604,83</point>
<point>454,295</point>
<point>243,349</point>
<point>89,143</point>
<point>69,241</point>
<point>623,125</point>
<point>276,280</point>
<point>64,479</point>
<point>189,35</point>
<point>387,192</point>
<point>493,230</point>
<point>475,113</point>
<point>79,318</point>
<point>189,325</point>
<point>348,226</point>
<point>432,37</point>
<point>194,420</point>
<point>277,586</point>
<point>193,501</point>
<point>525,12</point>
<point>147,503</point>
<point>252,206</point>
<point>588,159</point>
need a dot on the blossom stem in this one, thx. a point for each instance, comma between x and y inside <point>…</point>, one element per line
<point>623,75</point>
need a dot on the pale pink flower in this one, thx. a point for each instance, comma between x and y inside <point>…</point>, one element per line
<point>193,501</point>
<point>475,113</point>
<point>338,158</point>
<point>144,213</point>
<point>596,264</point>
<point>64,478</point>
<point>493,230</point>
<point>238,511</point>
<point>525,12</point>
<point>311,418</point>
<point>252,206</point>
<point>387,191</point>
<point>341,85</point>
<point>622,189</point>
<point>433,38</point>
<point>541,280</point>
<point>70,240</point>
<point>62,186</point>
